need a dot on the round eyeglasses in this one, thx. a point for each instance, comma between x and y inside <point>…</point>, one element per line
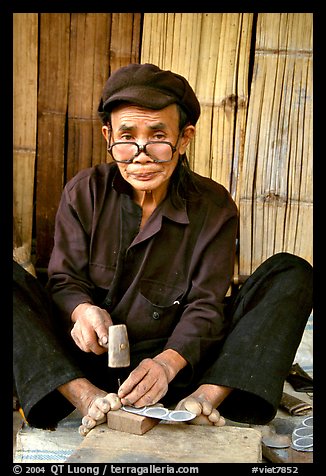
<point>126,152</point>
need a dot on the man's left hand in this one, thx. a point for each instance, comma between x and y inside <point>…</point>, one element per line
<point>146,385</point>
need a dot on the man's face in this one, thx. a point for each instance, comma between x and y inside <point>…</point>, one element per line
<point>137,124</point>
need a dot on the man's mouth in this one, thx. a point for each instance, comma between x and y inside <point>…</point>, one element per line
<point>143,176</point>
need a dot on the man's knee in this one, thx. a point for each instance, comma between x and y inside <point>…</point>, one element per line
<point>285,261</point>
<point>293,277</point>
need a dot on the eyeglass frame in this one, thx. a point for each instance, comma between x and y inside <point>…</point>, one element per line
<point>142,148</point>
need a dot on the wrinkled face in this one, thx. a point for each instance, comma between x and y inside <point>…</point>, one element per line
<point>136,124</point>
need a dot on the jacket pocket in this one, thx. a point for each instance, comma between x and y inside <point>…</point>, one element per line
<point>100,275</point>
<point>155,311</point>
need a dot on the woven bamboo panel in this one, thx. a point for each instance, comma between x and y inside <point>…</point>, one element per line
<point>25,50</point>
<point>72,72</point>
<point>259,145</point>
<point>212,51</point>
<point>276,185</point>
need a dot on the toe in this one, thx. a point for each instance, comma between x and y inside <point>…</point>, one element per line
<point>207,408</point>
<point>89,422</point>
<point>102,404</point>
<point>214,416</point>
<point>192,405</point>
<point>114,400</point>
<point>83,431</point>
<point>220,421</point>
<point>95,413</point>
<point>201,420</point>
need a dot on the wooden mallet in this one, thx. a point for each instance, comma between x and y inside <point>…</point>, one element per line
<point>118,346</point>
<point>119,357</point>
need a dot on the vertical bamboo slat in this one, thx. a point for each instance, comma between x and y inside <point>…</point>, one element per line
<point>242,88</point>
<point>125,39</point>
<point>88,67</point>
<point>230,99</point>
<point>201,153</point>
<point>52,110</point>
<point>125,42</point>
<point>21,253</point>
<point>25,55</point>
<point>276,198</point>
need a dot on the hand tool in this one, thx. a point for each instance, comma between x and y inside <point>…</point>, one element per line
<point>295,406</point>
<point>118,347</point>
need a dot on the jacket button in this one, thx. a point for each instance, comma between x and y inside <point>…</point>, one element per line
<point>155,315</point>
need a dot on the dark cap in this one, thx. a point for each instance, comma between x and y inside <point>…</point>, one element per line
<point>148,86</point>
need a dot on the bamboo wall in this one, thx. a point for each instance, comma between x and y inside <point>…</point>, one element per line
<point>253,77</point>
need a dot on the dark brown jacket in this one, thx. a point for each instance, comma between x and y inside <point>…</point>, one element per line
<point>167,280</point>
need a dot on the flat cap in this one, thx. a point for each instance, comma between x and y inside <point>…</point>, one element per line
<point>148,86</point>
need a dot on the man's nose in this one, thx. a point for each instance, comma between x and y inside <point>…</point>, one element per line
<point>142,157</point>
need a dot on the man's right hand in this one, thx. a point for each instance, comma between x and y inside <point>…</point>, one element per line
<point>90,331</point>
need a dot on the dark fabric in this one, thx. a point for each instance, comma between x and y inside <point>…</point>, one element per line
<point>148,86</point>
<point>161,280</point>
<point>267,319</point>
<point>41,361</point>
<point>269,315</point>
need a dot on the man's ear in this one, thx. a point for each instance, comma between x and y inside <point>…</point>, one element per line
<point>106,132</point>
<point>188,134</point>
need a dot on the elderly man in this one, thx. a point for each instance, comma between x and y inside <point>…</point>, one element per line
<point>146,242</point>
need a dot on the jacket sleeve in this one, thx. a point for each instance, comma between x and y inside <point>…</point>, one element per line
<point>68,281</point>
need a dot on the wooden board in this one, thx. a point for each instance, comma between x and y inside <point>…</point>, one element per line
<point>130,423</point>
<point>171,443</point>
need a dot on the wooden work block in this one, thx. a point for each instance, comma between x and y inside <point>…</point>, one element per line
<point>130,422</point>
<point>171,443</point>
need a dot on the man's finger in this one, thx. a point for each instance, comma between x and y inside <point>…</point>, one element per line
<point>103,341</point>
<point>130,383</point>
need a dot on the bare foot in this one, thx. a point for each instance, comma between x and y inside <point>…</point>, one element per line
<point>203,403</point>
<point>92,402</point>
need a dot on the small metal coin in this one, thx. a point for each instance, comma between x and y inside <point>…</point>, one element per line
<point>302,431</point>
<point>304,443</point>
<point>129,409</point>
<point>181,415</point>
<point>309,421</point>
<point>156,412</point>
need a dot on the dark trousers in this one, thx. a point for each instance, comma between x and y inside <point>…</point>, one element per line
<point>268,316</point>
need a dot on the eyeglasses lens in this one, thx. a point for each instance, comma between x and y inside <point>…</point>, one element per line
<point>124,152</point>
